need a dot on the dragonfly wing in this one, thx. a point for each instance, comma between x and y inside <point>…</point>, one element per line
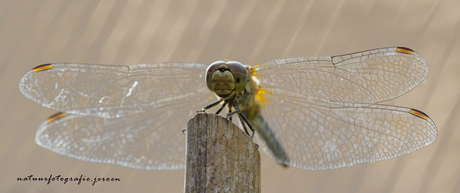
<point>319,137</point>
<point>364,77</point>
<point>148,140</point>
<point>115,91</point>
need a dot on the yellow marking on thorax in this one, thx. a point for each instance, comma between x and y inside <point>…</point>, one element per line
<point>259,96</point>
<point>254,71</point>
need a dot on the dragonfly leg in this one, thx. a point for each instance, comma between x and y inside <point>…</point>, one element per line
<point>222,107</point>
<point>244,126</point>
<point>237,107</point>
<point>211,105</point>
<point>248,123</point>
<point>230,107</point>
<point>230,113</point>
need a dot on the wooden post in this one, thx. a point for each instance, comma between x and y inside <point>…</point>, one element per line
<point>220,157</point>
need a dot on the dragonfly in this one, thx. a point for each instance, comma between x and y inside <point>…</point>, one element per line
<point>308,112</point>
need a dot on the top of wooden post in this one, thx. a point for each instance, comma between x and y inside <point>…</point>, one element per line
<point>220,157</point>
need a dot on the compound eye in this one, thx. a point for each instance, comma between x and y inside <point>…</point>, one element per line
<point>211,69</point>
<point>239,72</point>
<point>214,66</point>
<point>236,67</point>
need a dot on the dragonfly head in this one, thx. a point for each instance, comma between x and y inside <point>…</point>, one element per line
<point>226,79</point>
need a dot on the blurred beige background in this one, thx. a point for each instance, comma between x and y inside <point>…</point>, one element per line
<point>34,32</point>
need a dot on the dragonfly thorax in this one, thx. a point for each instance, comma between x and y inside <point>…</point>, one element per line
<point>226,79</point>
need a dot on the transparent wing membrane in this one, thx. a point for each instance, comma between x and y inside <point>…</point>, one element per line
<point>363,77</point>
<point>319,138</point>
<point>126,115</point>
<point>322,110</point>
<point>114,91</point>
<point>148,140</point>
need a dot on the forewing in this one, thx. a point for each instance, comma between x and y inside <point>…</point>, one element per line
<point>319,137</point>
<point>115,91</point>
<point>364,77</point>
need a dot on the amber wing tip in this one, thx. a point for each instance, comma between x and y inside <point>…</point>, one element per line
<point>405,50</point>
<point>42,67</point>
<point>56,116</point>
<point>418,113</point>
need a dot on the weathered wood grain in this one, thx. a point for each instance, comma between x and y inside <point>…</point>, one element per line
<point>220,157</point>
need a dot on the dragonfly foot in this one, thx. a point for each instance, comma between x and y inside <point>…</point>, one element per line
<point>184,131</point>
<point>257,146</point>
